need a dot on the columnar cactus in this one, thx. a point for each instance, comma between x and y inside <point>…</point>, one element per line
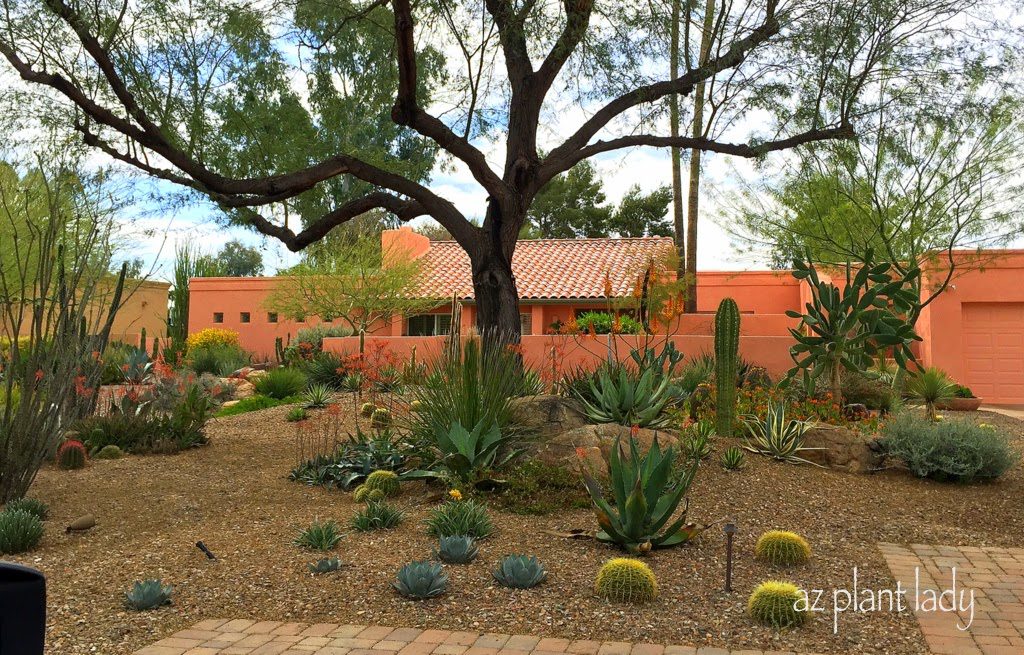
<point>727,345</point>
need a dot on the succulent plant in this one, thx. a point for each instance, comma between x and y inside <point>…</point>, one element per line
<point>733,459</point>
<point>727,344</point>
<point>460,517</point>
<point>319,536</point>
<point>20,531</point>
<point>317,396</point>
<point>377,515</point>
<point>456,549</point>
<point>776,437</point>
<point>375,496</point>
<point>384,481</point>
<point>380,418</point>
<point>782,548</point>
<point>697,446</point>
<point>296,414</point>
<point>775,603</point>
<point>519,572</point>
<point>421,580</point>
<point>416,406</point>
<point>71,455</point>
<point>366,409</point>
<point>325,565</point>
<point>148,594</point>
<point>31,505</point>
<point>110,451</point>
<point>627,580</point>
<point>353,382</point>
<point>359,495</point>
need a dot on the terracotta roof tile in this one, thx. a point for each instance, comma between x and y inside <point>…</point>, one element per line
<point>550,268</point>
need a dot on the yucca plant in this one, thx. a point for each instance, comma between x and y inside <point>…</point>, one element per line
<point>929,387</point>
<point>733,459</point>
<point>776,437</point>
<point>646,494</point>
<point>316,396</point>
<point>619,395</point>
<point>31,505</point>
<point>352,383</point>
<point>377,515</point>
<point>697,446</point>
<point>148,594</point>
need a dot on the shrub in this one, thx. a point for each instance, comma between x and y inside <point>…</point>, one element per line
<point>456,549</point>
<point>252,404</point>
<point>949,450</point>
<point>314,336</point>
<point>327,369</point>
<point>626,580</point>
<point>147,595</point>
<point>533,487</point>
<point>384,481</point>
<point>733,459</point>
<point>218,359</point>
<point>782,548</point>
<point>776,437</point>
<point>960,391</point>
<point>929,387</point>
<point>20,531</point>
<point>110,451</point>
<point>872,392</point>
<point>421,580</point>
<point>460,518</point>
<point>211,337</point>
<point>377,515</point>
<point>296,414</point>
<point>605,323</point>
<point>37,508</point>
<point>71,455</point>
<point>776,604</point>
<point>281,383</point>
<point>519,572</point>
<point>355,458</point>
<point>319,536</point>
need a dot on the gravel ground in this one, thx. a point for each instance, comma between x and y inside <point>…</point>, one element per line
<point>234,495</point>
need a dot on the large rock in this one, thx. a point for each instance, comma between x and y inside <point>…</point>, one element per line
<point>595,442</point>
<point>243,388</point>
<point>548,416</point>
<point>841,448</point>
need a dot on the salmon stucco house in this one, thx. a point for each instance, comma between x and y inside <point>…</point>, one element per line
<point>974,330</point>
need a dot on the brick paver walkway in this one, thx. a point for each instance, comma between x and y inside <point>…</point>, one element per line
<point>243,637</point>
<point>995,575</point>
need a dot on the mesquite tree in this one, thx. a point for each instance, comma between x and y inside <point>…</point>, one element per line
<point>327,111</point>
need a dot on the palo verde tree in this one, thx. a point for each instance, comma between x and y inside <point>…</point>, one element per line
<point>279,111</point>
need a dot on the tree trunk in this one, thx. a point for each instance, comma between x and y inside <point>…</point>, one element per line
<point>494,283</point>
<point>677,155</point>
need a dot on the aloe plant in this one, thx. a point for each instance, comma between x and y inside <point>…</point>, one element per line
<point>645,496</point>
<point>618,395</point>
<point>472,454</point>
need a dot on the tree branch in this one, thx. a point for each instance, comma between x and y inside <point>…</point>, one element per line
<point>577,20</point>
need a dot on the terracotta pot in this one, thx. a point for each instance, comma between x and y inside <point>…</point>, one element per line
<point>959,404</point>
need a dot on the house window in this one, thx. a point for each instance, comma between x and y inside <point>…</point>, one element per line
<point>271,317</point>
<point>218,317</point>
<point>244,317</point>
<point>429,325</point>
<point>526,323</point>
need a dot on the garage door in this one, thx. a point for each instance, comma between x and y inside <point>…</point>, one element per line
<point>993,339</point>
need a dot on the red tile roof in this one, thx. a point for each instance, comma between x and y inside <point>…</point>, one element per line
<point>550,268</point>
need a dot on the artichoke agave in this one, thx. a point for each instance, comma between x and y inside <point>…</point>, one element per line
<point>325,565</point>
<point>619,396</point>
<point>421,580</point>
<point>519,572</point>
<point>148,594</point>
<point>458,549</point>
<point>645,495</point>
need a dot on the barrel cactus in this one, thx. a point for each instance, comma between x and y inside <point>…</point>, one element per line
<point>627,580</point>
<point>778,604</point>
<point>366,409</point>
<point>782,548</point>
<point>71,455</point>
<point>359,495</point>
<point>380,418</point>
<point>727,345</point>
<point>384,481</point>
<point>375,495</point>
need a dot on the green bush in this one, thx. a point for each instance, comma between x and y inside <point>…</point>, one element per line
<point>326,369</point>
<point>296,414</point>
<point>20,531</point>
<point>872,392</point>
<point>281,383</point>
<point>135,428</point>
<point>314,336</point>
<point>460,518</point>
<point>218,359</point>
<point>30,505</point>
<point>534,487</point>
<point>253,404</point>
<point>956,450</point>
<point>603,323</point>
<point>109,451</point>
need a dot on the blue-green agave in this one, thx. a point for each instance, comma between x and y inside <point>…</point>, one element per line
<point>421,580</point>
<point>148,594</point>
<point>519,572</point>
<point>457,549</point>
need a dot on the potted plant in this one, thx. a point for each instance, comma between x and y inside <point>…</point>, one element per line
<point>963,400</point>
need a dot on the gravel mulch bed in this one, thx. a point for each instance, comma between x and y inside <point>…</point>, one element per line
<point>234,495</point>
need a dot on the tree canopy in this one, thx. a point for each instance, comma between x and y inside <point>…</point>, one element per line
<point>235,259</point>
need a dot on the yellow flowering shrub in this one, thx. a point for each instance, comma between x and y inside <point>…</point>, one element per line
<point>208,337</point>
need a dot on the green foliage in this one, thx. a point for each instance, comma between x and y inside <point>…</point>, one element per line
<point>929,387</point>
<point>697,439</point>
<point>355,458</point>
<point>254,403</point>
<point>456,549</point>
<point>594,322</point>
<point>535,488</point>
<point>519,572</point>
<point>956,450</point>
<point>238,260</point>
<point>319,536</point>
<point>626,580</point>
<point>385,481</point>
<point>110,451</point>
<point>727,344</point>
<point>220,359</point>
<point>870,391</point>
<point>353,383</point>
<point>281,383</point>
<point>733,459</point>
<point>776,604</point>
<point>296,414</point>
<point>619,395</point>
<point>776,437</point>
<point>148,594</point>
<point>645,495</point>
<point>33,506</point>
<point>377,515</point>
<point>460,518</point>
<point>328,370</point>
<point>960,391</point>
<point>849,329</point>
<point>134,426</point>
<point>782,548</point>
<point>421,580</point>
<point>470,456</point>
<point>317,396</point>
<point>20,531</point>
<point>71,455</point>
<point>325,565</point>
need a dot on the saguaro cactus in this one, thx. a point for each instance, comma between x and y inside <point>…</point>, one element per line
<point>727,345</point>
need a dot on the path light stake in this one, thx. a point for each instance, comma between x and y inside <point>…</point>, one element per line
<point>729,530</point>
<point>206,551</point>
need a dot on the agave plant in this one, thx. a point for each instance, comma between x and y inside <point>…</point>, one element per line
<point>138,367</point>
<point>471,455</point>
<point>456,549</point>
<point>776,437</point>
<point>421,580</point>
<point>519,572</point>
<point>732,459</point>
<point>316,396</point>
<point>148,594</point>
<point>618,395</point>
<point>645,495</point>
<point>325,565</point>
<point>353,382</point>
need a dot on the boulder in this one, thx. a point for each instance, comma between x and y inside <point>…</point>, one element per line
<point>841,448</point>
<point>243,388</point>
<point>594,443</point>
<point>547,416</point>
